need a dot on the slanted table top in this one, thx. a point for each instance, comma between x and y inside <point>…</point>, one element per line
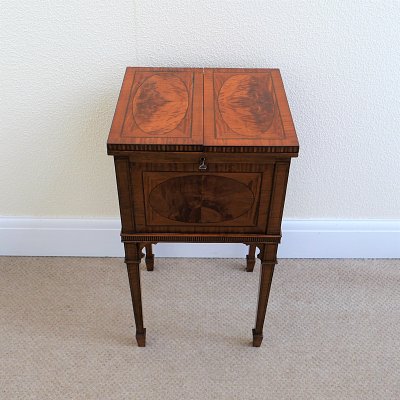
<point>196,109</point>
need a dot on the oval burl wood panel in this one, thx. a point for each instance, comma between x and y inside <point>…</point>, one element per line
<point>201,199</point>
<point>246,103</point>
<point>160,103</point>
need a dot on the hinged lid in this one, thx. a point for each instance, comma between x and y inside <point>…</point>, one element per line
<point>193,109</point>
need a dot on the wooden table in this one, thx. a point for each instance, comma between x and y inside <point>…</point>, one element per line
<point>202,155</point>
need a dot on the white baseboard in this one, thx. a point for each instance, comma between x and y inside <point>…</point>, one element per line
<point>100,238</point>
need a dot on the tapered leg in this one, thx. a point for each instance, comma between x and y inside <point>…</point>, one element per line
<point>268,261</point>
<point>149,257</point>
<point>132,259</point>
<point>251,258</point>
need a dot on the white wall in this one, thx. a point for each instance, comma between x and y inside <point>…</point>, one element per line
<point>62,63</point>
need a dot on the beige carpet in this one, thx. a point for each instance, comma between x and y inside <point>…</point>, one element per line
<point>66,330</point>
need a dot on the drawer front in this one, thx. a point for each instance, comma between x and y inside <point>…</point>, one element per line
<point>225,195</point>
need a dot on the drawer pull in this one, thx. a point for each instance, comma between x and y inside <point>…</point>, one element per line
<point>202,166</point>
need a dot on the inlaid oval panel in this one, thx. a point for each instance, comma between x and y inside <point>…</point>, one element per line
<point>160,103</point>
<point>246,103</point>
<point>201,199</point>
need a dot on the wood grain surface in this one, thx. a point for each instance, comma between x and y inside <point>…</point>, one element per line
<point>210,110</point>
<point>246,104</point>
<point>201,199</point>
<point>178,197</point>
<point>202,155</point>
<point>158,107</point>
<point>160,104</point>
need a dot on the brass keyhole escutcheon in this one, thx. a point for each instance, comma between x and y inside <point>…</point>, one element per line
<point>202,166</point>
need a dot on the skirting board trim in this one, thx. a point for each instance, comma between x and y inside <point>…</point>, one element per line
<point>100,238</point>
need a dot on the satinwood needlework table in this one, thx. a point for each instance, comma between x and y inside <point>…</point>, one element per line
<point>202,155</point>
